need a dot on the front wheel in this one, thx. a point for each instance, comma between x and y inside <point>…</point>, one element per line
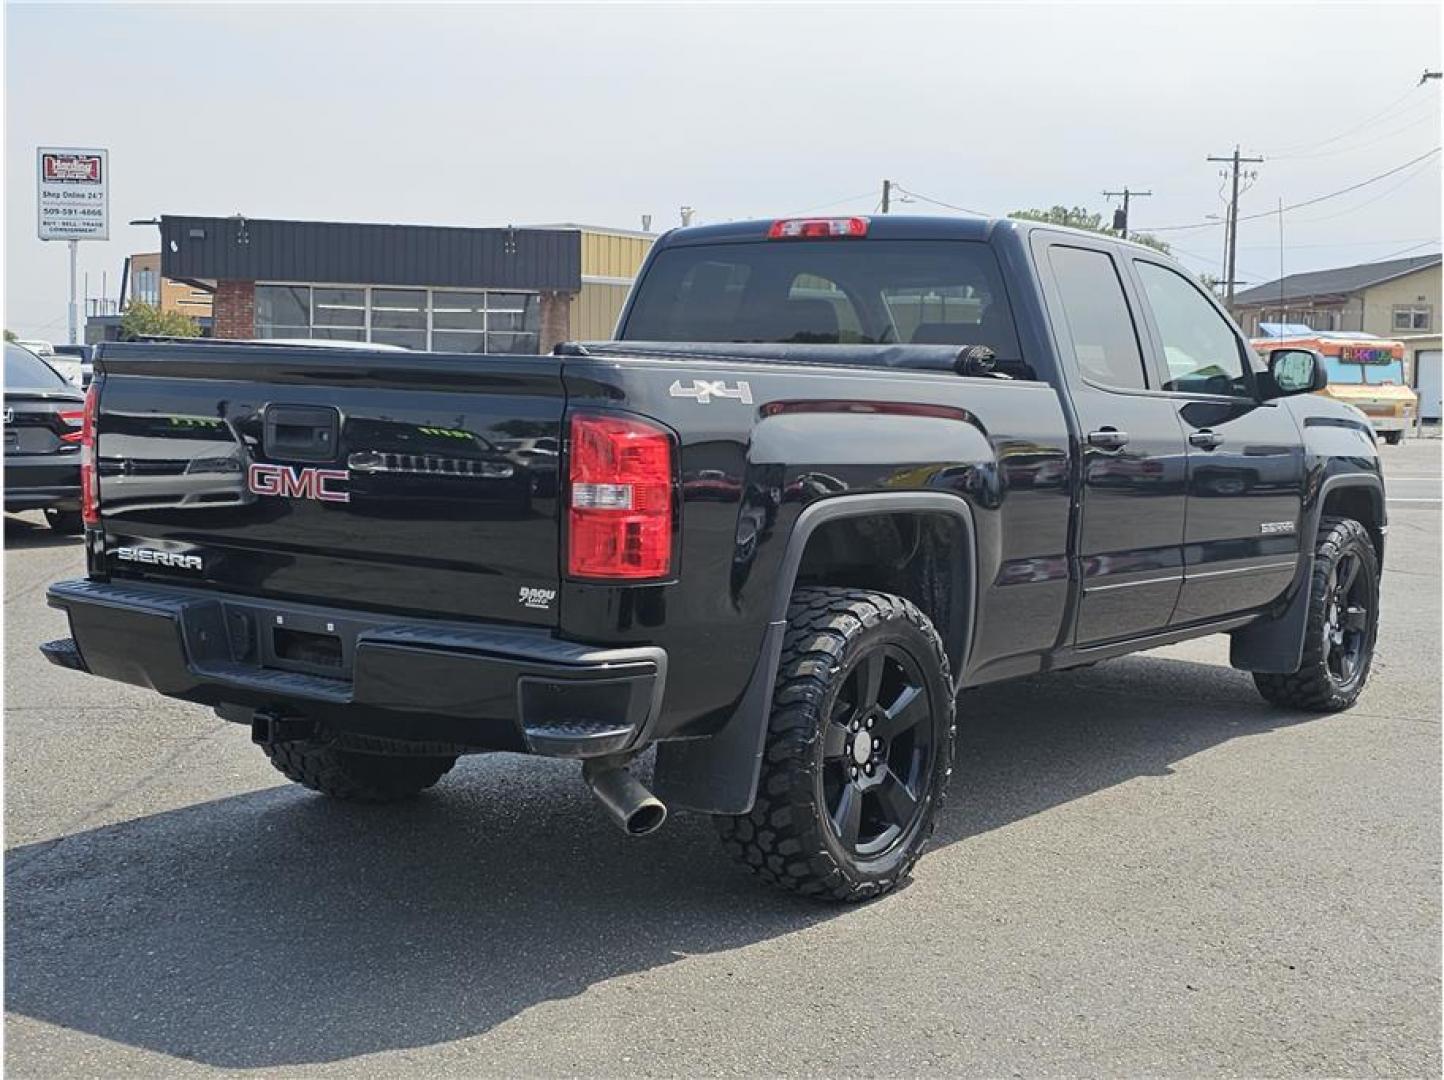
<point>1393,438</point>
<point>859,748</point>
<point>1342,626</point>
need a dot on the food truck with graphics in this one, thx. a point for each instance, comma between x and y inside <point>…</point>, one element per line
<point>1365,371</point>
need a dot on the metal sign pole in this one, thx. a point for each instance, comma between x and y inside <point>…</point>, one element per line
<point>74,313</point>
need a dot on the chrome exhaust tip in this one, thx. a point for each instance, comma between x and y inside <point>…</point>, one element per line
<point>626,800</point>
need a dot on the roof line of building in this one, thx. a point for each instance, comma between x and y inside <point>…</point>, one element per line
<point>555,226</point>
<point>1293,287</point>
<point>605,230</point>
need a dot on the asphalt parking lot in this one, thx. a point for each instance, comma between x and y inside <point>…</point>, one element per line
<point>1143,869</point>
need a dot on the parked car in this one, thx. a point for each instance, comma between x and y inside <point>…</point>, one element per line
<point>42,349</point>
<point>75,362</point>
<point>43,429</point>
<point>834,471</point>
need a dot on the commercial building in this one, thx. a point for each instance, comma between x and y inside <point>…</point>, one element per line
<point>1397,299</point>
<point>142,282</point>
<point>422,287</point>
<point>147,285</point>
<point>1398,296</point>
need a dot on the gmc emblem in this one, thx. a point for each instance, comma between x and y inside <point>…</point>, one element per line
<point>291,483</point>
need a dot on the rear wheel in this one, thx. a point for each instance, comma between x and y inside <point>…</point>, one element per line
<point>347,774</point>
<point>1343,623</point>
<point>859,748</point>
<point>1393,438</point>
<point>66,522</point>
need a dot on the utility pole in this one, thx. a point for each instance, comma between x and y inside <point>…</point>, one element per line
<point>1120,217</point>
<point>74,320</point>
<point>886,195</point>
<point>1235,161</point>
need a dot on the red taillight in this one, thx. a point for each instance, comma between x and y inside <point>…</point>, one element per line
<point>89,487</point>
<point>817,228</point>
<point>74,418</point>
<point>620,520</point>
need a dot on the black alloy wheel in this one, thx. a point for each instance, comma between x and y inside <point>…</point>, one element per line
<point>858,750</point>
<point>1346,619</point>
<point>1342,626</point>
<point>877,752</point>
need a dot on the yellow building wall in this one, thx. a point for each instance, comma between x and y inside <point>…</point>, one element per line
<point>1421,288</point>
<point>613,255</point>
<point>595,310</point>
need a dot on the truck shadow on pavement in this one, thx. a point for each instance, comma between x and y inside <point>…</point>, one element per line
<point>23,533</point>
<point>276,928</point>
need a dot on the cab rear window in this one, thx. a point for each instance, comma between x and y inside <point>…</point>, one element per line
<point>826,292</point>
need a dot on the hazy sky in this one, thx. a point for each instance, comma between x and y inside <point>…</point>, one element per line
<point>488,115</point>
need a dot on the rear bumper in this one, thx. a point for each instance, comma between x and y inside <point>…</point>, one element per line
<point>476,687</point>
<point>41,482</point>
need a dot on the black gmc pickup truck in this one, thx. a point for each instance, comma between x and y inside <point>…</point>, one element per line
<point>831,472</point>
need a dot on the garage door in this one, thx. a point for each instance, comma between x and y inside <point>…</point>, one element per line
<point>1429,379</point>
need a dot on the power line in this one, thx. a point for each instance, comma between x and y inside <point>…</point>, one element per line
<point>1353,146</point>
<point>1384,194</point>
<point>835,202</point>
<point>938,202</point>
<point>1405,251</point>
<point>1287,150</point>
<point>1351,244</point>
<point>1351,187</point>
<point>1307,202</point>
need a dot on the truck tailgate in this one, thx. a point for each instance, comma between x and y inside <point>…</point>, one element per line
<point>357,479</point>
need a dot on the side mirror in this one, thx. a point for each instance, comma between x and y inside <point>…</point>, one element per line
<point>1295,371</point>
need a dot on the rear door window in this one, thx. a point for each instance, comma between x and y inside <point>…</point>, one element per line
<point>826,292</point>
<point>1097,319</point>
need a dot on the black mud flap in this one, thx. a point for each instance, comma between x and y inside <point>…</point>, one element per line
<point>1275,645</point>
<point>718,774</point>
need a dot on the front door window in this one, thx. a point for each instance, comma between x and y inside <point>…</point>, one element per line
<point>1200,349</point>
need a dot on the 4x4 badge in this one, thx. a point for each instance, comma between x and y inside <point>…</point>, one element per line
<point>704,391</point>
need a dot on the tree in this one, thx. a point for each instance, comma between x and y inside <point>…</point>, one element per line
<point>1078,218</point>
<point>11,335</point>
<point>147,320</point>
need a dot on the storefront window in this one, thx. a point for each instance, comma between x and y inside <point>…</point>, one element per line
<point>339,314</point>
<point>283,311</point>
<point>458,322</point>
<point>442,320</point>
<point>398,317</point>
<point>512,322</point>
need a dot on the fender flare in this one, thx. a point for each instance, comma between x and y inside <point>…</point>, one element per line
<point>1275,644</point>
<point>719,774</point>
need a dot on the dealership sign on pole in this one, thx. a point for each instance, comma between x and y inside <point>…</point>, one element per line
<point>72,203</point>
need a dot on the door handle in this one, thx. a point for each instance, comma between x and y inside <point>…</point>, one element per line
<point>1108,439</point>
<point>1205,439</point>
